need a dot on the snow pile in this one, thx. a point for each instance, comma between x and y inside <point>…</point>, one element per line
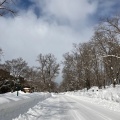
<point>42,110</point>
<point>110,93</point>
<point>12,105</point>
<point>109,97</point>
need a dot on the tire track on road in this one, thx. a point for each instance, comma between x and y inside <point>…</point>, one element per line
<point>87,112</point>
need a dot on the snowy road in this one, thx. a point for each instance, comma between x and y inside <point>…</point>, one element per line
<point>63,107</point>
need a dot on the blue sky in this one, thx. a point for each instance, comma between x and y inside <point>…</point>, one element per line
<point>24,4</point>
<point>51,26</point>
<point>104,8</point>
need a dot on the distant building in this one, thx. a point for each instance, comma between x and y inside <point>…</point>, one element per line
<point>27,90</point>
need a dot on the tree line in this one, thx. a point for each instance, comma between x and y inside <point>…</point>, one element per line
<point>41,77</point>
<point>96,62</point>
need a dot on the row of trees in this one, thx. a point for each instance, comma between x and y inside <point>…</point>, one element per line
<point>96,62</point>
<point>40,77</point>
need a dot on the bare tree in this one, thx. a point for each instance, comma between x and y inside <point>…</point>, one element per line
<point>111,24</point>
<point>69,72</point>
<point>1,53</point>
<point>106,38</point>
<point>48,69</point>
<point>6,7</point>
<point>17,67</point>
<point>32,74</point>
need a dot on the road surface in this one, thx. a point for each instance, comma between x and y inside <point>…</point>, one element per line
<point>63,107</point>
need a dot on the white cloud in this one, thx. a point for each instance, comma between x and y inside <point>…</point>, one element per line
<point>72,11</point>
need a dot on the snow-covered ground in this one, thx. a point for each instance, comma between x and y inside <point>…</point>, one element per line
<point>95,104</point>
<point>12,105</point>
<point>110,93</point>
<point>109,97</point>
<point>66,107</point>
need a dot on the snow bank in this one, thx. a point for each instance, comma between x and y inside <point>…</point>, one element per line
<point>12,105</point>
<point>109,97</point>
<point>110,93</point>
